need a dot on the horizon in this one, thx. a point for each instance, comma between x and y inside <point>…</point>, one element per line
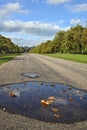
<point>29,23</point>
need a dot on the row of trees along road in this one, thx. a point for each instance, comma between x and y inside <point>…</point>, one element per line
<point>7,46</point>
<point>73,41</point>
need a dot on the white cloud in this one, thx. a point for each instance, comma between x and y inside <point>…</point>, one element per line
<point>75,21</point>
<point>23,42</point>
<point>57,1</point>
<point>29,33</point>
<point>31,27</point>
<point>51,1</point>
<point>27,42</point>
<point>66,28</point>
<point>35,1</point>
<point>79,8</point>
<point>11,8</point>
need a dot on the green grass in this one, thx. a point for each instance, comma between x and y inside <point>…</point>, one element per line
<point>7,57</point>
<point>71,57</point>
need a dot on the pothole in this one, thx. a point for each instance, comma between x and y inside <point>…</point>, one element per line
<point>50,102</point>
<point>31,75</point>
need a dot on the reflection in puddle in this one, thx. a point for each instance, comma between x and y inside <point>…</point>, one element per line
<point>59,100</point>
<point>45,101</point>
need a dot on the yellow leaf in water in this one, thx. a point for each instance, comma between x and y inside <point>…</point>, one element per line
<point>56,116</point>
<point>12,94</point>
<point>44,102</point>
<point>51,98</point>
<point>70,99</point>
<point>54,109</point>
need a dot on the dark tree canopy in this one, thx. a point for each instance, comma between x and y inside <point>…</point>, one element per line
<point>7,46</point>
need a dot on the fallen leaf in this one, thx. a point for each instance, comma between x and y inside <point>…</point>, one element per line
<point>70,99</point>
<point>51,98</point>
<point>56,116</point>
<point>12,94</point>
<point>54,109</point>
<point>49,101</point>
<point>44,103</point>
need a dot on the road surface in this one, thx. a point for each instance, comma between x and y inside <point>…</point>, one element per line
<point>49,70</point>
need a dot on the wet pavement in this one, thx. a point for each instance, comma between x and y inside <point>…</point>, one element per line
<point>50,102</point>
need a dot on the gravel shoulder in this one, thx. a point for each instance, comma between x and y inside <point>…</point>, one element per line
<point>50,70</point>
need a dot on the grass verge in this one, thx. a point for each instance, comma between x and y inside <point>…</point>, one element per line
<point>7,57</point>
<point>71,57</point>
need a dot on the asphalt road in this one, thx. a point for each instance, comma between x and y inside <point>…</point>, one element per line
<point>49,70</point>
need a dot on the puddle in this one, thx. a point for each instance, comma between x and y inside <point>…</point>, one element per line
<point>31,75</point>
<point>45,101</point>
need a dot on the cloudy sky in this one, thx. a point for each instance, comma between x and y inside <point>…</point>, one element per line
<point>30,22</point>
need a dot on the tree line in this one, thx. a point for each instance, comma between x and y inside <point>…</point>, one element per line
<point>72,41</point>
<point>7,46</point>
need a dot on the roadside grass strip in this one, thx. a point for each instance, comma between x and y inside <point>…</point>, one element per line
<point>6,58</point>
<point>72,57</point>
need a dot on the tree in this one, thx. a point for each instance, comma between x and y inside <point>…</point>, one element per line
<point>72,41</point>
<point>84,41</point>
<point>58,42</point>
<point>7,46</point>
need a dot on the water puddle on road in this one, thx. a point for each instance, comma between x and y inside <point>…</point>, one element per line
<point>50,102</point>
<point>31,75</point>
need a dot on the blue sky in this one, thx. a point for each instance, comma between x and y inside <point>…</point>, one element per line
<point>31,22</point>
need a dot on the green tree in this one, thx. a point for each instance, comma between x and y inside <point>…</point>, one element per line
<point>73,40</point>
<point>7,46</point>
<point>58,42</point>
<point>84,41</point>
